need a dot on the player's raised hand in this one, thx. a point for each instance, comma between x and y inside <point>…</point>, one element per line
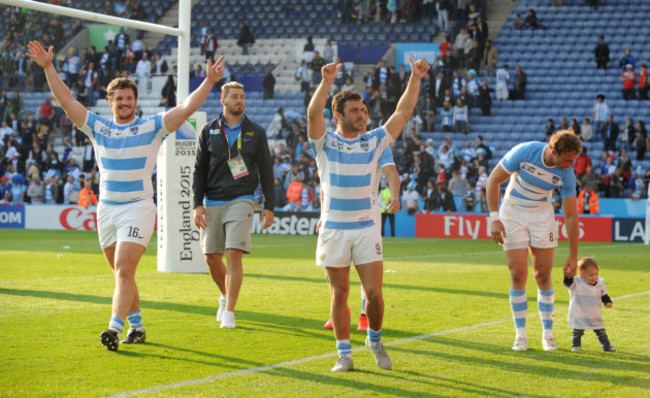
<point>330,71</point>
<point>419,68</point>
<point>216,72</point>
<point>42,57</point>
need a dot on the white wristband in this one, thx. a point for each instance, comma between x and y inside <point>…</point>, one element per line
<point>494,216</point>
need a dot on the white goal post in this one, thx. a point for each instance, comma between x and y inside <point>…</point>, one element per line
<point>176,157</point>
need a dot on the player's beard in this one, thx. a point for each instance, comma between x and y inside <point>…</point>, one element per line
<point>349,125</point>
<point>121,115</point>
<point>234,110</point>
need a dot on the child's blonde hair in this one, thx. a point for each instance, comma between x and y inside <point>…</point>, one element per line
<point>585,263</point>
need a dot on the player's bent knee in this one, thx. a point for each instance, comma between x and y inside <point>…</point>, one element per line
<point>341,293</point>
<point>213,259</point>
<point>373,295</point>
<point>125,273</point>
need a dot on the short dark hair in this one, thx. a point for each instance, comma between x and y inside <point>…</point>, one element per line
<point>565,141</point>
<point>339,100</point>
<point>121,83</point>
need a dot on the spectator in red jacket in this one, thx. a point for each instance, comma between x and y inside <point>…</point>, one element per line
<point>582,162</point>
<point>629,81</point>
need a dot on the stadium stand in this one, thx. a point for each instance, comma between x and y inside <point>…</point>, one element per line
<point>562,77</point>
<point>558,58</point>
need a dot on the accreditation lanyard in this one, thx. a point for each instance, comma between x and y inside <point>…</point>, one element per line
<point>237,165</point>
<point>225,134</point>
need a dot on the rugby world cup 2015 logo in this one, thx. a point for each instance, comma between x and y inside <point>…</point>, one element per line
<point>556,179</point>
<point>365,146</point>
<point>185,144</point>
<point>134,130</point>
<point>187,131</point>
<point>530,168</point>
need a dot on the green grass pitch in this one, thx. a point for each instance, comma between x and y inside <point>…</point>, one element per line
<point>447,325</point>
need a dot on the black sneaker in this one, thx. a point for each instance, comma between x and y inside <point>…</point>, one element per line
<point>110,340</point>
<point>135,337</point>
<point>609,349</point>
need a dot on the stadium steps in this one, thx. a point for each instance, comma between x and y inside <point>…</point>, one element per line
<point>566,83</point>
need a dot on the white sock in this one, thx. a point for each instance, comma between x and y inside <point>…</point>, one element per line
<point>548,333</point>
<point>521,332</point>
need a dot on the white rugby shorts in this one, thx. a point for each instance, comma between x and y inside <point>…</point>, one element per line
<point>344,247</point>
<point>534,227</point>
<point>133,222</point>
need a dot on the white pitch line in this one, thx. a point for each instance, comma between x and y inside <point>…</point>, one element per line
<point>245,372</point>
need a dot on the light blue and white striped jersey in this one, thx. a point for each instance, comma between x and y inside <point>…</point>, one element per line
<point>385,159</point>
<point>532,182</point>
<point>126,155</point>
<point>348,172</point>
<point>601,111</point>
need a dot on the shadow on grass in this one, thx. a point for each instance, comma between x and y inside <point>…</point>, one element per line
<point>211,359</point>
<point>464,387</point>
<point>343,380</point>
<point>264,322</point>
<point>577,367</point>
<point>326,378</point>
<point>410,288</point>
<point>597,359</point>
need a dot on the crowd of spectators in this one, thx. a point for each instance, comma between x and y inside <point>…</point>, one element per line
<point>432,174</point>
<point>32,171</point>
<point>405,11</point>
<point>614,174</point>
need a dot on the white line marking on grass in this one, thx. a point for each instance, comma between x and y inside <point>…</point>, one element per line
<point>299,361</point>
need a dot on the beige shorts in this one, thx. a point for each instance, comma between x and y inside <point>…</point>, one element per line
<point>528,227</point>
<point>133,222</point>
<point>228,227</point>
<point>344,247</point>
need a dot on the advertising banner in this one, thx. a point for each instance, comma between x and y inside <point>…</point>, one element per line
<point>628,230</point>
<point>100,34</point>
<point>288,223</point>
<point>428,51</point>
<point>178,239</point>
<point>12,216</point>
<point>61,217</point>
<point>476,226</point>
